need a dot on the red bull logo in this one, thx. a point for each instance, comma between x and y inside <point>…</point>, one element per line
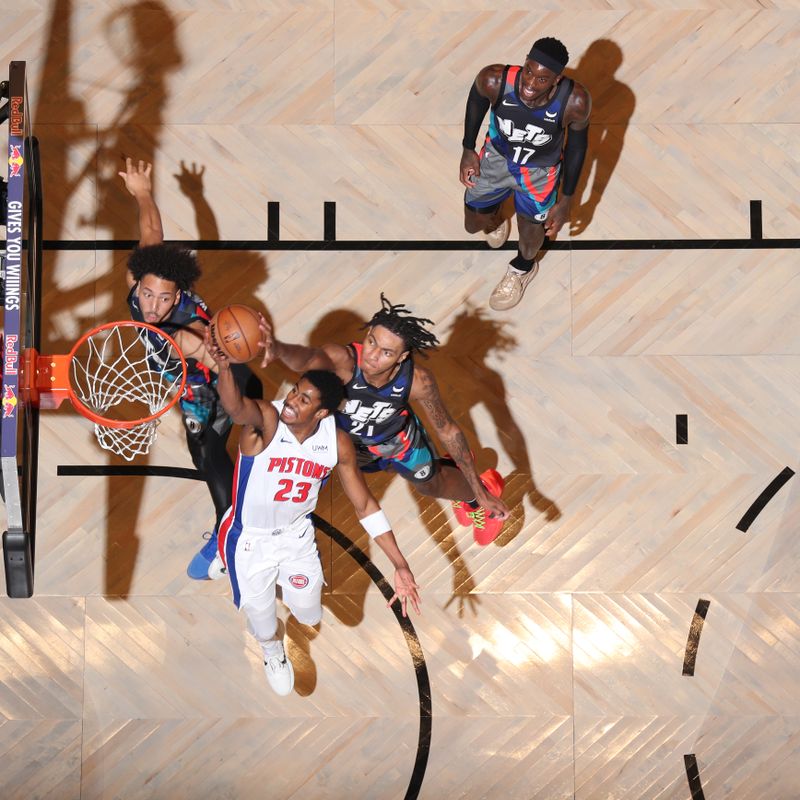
<point>9,400</point>
<point>15,161</point>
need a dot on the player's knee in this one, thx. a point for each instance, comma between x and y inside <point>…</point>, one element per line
<point>477,221</point>
<point>263,621</point>
<point>428,483</point>
<point>306,615</point>
<point>471,224</point>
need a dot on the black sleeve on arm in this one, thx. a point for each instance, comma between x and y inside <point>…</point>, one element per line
<point>477,106</point>
<point>574,154</point>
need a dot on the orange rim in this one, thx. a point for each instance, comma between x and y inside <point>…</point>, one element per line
<point>115,423</point>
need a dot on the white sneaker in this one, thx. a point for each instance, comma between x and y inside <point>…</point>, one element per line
<point>499,236</point>
<point>280,673</point>
<point>216,569</point>
<point>509,291</point>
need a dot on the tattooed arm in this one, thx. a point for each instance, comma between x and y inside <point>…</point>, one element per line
<point>425,392</point>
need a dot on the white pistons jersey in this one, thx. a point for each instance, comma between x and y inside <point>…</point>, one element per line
<point>280,485</point>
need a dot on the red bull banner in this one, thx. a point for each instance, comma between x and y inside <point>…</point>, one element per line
<point>13,279</point>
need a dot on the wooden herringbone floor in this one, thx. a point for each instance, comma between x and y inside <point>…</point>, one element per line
<point>555,655</point>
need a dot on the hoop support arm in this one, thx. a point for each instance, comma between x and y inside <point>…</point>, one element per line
<point>45,381</point>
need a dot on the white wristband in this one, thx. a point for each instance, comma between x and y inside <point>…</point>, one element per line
<point>376,524</point>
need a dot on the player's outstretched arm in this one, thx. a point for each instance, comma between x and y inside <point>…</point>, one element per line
<point>138,183</point>
<point>375,523</point>
<point>425,391</point>
<point>193,343</point>
<point>242,410</point>
<point>299,358</point>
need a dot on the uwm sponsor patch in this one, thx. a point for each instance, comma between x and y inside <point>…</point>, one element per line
<point>298,581</point>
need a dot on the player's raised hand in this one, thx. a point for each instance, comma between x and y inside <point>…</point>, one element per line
<point>494,506</point>
<point>267,341</point>
<point>137,177</point>
<point>213,350</point>
<point>405,590</point>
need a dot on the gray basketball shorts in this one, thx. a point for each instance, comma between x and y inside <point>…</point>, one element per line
<point>535,189</point>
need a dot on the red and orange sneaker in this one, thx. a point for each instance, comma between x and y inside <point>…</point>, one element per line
<point>486,529</point>
<point>493,481</point>
<point>461,510</point>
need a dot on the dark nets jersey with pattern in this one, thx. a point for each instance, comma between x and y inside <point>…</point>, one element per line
<point>530,137</point>
<point>374,414</point>
<point>190,308</point>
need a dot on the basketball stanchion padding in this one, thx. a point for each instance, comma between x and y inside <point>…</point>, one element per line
<point>123,376</point>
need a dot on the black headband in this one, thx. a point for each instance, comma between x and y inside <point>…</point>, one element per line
<point>553,64</point>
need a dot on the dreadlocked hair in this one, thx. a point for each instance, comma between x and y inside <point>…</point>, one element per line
<point>399,320</point>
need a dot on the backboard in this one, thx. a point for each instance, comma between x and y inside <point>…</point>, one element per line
<point>22,259</point>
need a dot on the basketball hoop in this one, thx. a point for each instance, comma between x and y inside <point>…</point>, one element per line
<point>116,376</point>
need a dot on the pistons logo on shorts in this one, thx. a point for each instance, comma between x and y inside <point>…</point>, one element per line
<point>298,581</point>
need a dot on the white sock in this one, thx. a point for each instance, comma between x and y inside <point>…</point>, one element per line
<point>518,271</point>
<point>273,649</point>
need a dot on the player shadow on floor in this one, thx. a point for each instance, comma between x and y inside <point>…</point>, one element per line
<point>463,360</point>
<point>613,104</point>
<point>142,39</point>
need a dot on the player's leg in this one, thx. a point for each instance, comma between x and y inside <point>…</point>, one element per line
<point>411,455</point>
<point>253,571</point>
<point>536,193</point>
<point>209,452</point>
<point>441,478</point>
<point>488,221</point>
<point>301,580</point>
<point>207,430</point>
<point>300,575</point>
<point>483,201</point>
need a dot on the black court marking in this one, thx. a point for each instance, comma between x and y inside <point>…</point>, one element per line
<point>693,776</point>
<point>273,221</point>
<point>360,557</point>
<point>681,429</point>
<point>414,648</point>
<point>116,470</point>
<point>409,245</point>
<point>758,504</point>
<point>329,228</point>
<point>756,231</point>
<point>693,642</point>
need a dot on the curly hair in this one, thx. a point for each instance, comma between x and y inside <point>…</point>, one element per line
<point>166,261</point>
<point>398,320</point>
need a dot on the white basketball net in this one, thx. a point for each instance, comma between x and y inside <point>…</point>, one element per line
<point>115,375</point>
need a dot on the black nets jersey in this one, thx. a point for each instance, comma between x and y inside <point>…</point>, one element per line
<point>371,414</point>
<point>200,395</point>
<point>528,137</point>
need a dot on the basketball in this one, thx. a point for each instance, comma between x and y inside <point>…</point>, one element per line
<point>234,329</point>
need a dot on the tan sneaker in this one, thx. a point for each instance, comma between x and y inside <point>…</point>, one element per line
<point>509,291</point>
<point>499,236</point>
